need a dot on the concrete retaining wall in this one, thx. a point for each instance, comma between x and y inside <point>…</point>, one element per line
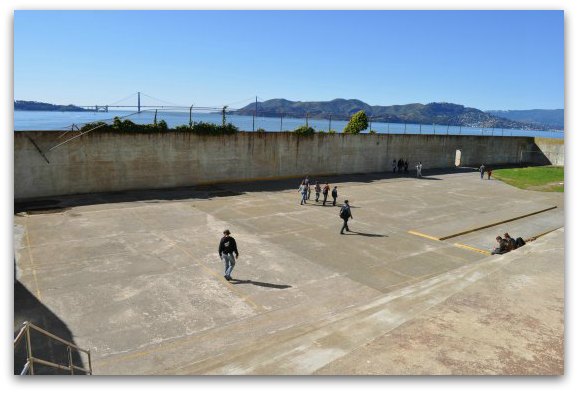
<point>101,161</point>
<point>548,151</point>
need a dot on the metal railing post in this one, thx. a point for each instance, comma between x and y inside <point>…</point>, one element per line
<point>70,360</point>
<point>29,350</point>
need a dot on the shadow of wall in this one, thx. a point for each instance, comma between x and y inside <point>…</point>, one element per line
<point>28,308</point>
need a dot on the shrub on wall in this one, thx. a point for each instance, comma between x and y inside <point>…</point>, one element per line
<point>357,123</point>
<point>304,130</point>
<point>119,125</point>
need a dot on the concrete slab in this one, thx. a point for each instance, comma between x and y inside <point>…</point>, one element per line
<point>136,277</point>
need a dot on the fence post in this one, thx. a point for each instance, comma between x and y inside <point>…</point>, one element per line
<point>434,127</point>
<point>460,130</point>
<point>191,116</point>
<point>281,129</point>
<point>155,120</point>
<point>224,118</point>
<point>420,128</point>
<point>388,128</point>
<point>307,119</point>
<point>404,128</point>
<point>329,123</point>
<point>448,130</point>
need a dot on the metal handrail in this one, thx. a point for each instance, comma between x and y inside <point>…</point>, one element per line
<point>31,360</point>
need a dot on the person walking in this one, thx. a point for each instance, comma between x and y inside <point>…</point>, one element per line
<point>303,192</point>
<point>228,252</point>
<point>345,214</point>
<point>325,193</point>
<point>405,166</point>
<point>393,165</point>
<point>399,165</point>
<point>334,195</point>
<point>482,170</point>
<point>307,183</point>
<point>317,191</point>
<point>418,167</point>
<point>489,173</point>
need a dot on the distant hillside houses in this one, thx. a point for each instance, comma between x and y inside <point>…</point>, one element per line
<point>442,113</point>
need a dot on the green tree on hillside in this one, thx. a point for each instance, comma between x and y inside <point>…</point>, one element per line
<point>357,123</point>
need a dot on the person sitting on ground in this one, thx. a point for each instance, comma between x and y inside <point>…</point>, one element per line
<point>511,242</point>
<point>502,247</point>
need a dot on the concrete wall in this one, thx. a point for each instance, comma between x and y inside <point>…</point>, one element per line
<point>101,161</point>
<point>548,151</point>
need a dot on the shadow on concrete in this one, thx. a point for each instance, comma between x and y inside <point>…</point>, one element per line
<point>62,203</point>
<point>28,308</point>
<point>364,234</point>
<point>428,178</point>
<point>235,281</point>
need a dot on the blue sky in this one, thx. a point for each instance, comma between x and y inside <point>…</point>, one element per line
<point>482,59</point>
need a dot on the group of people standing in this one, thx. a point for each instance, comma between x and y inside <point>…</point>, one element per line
<point>402,165</point>
<point>305,191</point>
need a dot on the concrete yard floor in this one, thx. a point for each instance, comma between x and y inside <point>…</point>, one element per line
<point>135,278</point>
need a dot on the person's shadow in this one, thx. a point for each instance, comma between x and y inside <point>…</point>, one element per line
<point>364,234</point>
<point>236,281</point>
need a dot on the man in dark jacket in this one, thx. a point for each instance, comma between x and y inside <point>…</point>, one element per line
<point>502,247</point>
<point>334,195</point>
<point>345,214</point>
<point>228,247</point>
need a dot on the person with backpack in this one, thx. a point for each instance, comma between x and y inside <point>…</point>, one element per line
<point>345,215</point>
<point>325,193</point>
<point>334,195</point>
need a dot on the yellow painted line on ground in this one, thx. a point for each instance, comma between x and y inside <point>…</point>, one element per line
<point>413,232</point>
<point>485,252</point>
<point>38,295</point>
<point>496,223</point>
<point>424,235</point>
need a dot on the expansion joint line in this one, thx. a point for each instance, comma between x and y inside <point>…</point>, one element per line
<point>32,265</point>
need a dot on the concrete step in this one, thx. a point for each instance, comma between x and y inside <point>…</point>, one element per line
<point>527,228</point>
<point>452,228</point>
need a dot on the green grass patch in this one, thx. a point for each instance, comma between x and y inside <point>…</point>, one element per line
<point>538,178</point>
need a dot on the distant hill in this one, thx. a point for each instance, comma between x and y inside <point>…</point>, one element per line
<point>43,106</point>
<point>341,109</point>
<point>547,118</point>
